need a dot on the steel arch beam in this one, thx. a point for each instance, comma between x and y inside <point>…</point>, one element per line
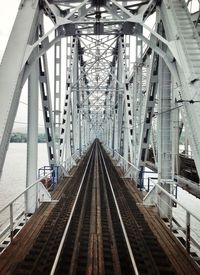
<point>11,73</point>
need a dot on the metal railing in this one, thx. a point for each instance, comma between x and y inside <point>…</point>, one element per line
<point>124,162</point>
<point>16,212</point>
<point>121,161</point>
<point>49,182</point>
<point>71,161</point>
<point>181,219</point>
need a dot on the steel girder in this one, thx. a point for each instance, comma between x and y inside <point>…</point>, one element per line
<point>46,100</point>
<point>66,142</point>
<point>12,70</point>
<point>102,94</point>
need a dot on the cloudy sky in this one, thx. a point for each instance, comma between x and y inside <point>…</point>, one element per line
<point>8,13</point>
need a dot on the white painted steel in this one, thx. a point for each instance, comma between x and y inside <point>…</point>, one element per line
<point>164,132</point>
<point>32,137</point>
<point>57,95</point>
<point>11,71</point>
<point>46,100</point>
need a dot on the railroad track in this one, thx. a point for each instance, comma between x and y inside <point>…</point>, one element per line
<point>96,228</point>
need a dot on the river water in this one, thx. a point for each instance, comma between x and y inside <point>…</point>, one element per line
<point>13,179</point>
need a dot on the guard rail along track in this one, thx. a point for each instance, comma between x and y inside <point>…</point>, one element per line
<point>95,228</point>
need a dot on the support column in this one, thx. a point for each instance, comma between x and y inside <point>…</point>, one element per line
<point>80,111</point>
<point>175,136</point>
<point>79,131</point>
<point>126,156</point>
<point>137,96</point>
<point>57,95</point>
<point>120,90</point>
<point>75,115</point>
<point>164,135</point>
<point>84,131</point>
<point>32,140</point>
<point>11,70</point>
<point>110,136</point>
<point>115,131</point>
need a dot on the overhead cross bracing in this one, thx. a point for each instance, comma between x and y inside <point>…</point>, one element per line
<point>131,79</point>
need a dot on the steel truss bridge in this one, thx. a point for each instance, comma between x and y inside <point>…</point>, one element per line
<point>131,77</point>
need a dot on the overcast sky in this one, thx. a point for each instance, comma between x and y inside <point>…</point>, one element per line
<point>8,13</point>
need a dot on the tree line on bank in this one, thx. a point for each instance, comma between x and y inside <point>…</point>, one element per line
<point>17,137</point>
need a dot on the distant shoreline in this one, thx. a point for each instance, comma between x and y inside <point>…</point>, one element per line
<point>17,137</point>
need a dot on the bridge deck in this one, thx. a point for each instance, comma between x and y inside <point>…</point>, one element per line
<point>158,250</point>
<point>174,250</point>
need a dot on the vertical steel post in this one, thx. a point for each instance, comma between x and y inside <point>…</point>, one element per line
<point>120,94</point>
<point>80,130</point>
<point>188,232</point>
<point>171,215</point>
<point>57,95</point>
<point>175,136</point>
<point>164,134</point>
<point>32,139</point>
<point>37,202</point>
<point>25,206</point>
<point>141,177</point>
<point>11,222</point>
<point>75,119</point>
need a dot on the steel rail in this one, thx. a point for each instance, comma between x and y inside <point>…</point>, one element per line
<point>121,221</point>
<point>53,269</point>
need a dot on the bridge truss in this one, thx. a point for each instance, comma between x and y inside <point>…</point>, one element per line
<point>131,73</point>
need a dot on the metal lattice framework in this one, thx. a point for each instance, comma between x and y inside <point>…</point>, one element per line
<point>125,81</point>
